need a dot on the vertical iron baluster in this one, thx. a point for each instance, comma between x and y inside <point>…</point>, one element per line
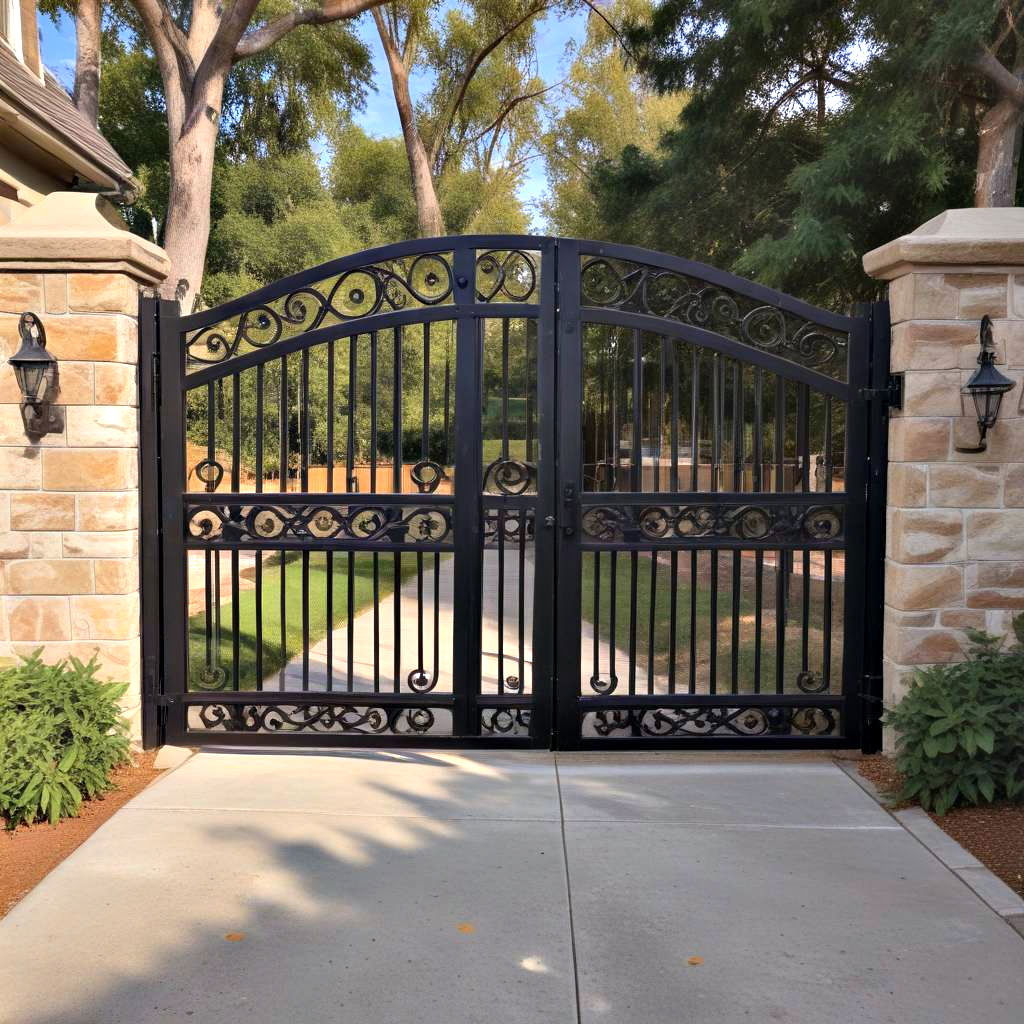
<point>738,454</point>
<point>396,486</point>
<point>803,447</point>
<point>613,600</point>
<point>504,387</point>
<point>651,621</point>
<point>596,557</point>
<point>425,456</point>
<point>781,555</point>
<point>758,486</point>
<point>521,620</point>
<point>329,557</point>
<point>236,442</point>
<point>531,329</point>
<point>373,490</point>
<point>826,597</point>
<point>351,485</point>
<point>694,482</point>
<point>303,412</point>
<point>673,624</point>
<point>258,577</point>
<point>282,431</point>
<point>636,456</point>
<point>501,594</point>
<point>212,597</point>
<point>717,411</point>
<point>614,484</point>
<point>633,567</point>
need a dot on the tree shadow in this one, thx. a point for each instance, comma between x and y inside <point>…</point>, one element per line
<point>432,888</point>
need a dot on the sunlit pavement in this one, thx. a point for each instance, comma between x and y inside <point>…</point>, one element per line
<point>480,888</point>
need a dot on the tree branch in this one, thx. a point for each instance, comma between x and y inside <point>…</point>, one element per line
<point>259,39</point>
<point>474,66</point>
<point>509,107</point>
<point>1007,84</point>
<point>615,29</point>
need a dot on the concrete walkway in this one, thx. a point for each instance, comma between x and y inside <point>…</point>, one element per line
<point>472,888</point>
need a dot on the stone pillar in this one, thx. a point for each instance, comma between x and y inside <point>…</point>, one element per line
<point>955,522</point>
<point>69,502</point>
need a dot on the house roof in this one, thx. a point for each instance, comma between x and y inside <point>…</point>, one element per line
<point>44,110</point>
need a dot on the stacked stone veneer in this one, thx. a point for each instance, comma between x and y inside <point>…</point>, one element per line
<point>955,522</point>
<point>69,502</point>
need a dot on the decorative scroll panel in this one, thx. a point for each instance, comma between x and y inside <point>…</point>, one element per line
<point>266,521</point>
<point>343,719</point>
<point>747,522</point>
<point>720,722</point>
<point>641,288</point>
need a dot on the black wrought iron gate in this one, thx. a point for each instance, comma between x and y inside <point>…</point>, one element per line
<point>512,490</point>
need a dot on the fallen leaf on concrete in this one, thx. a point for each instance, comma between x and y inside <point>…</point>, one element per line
<point>466,928</point>
<point>695,961</point>
<point>235,936</point>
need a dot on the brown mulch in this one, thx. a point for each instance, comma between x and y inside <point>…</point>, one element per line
<point>994,833</point>
<point>31,852</point>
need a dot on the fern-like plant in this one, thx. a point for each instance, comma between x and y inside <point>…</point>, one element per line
<point>61,734</point>
<point>960,728</point>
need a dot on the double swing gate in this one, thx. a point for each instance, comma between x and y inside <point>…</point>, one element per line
<point>512,490</point>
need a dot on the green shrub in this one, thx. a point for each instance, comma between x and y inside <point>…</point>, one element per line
<point>61,733</point>
<point>960,728</point>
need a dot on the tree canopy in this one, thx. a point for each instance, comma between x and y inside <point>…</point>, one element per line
<point>815,131</point>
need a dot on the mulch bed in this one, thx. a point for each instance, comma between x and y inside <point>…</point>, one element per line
<point>31,852</point>
<point>994,833</point>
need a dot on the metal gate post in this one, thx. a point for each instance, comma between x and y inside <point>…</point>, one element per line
<point>570,462</point>
<point>150,546</point>
<point>878,444</point>
<point>468,500</point>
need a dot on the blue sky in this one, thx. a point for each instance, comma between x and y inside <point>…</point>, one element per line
<point>378,118</point>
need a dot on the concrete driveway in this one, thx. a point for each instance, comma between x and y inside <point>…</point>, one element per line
<point>484,888</point>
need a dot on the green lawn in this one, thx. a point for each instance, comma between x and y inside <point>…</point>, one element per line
<point>745,648</point>
<point>273,654</point>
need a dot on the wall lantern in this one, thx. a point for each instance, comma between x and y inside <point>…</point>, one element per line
<point>36,371</point>
<point>986,387</point>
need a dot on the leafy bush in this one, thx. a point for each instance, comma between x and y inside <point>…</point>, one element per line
<point>960,728</point>
<point>61,733</point>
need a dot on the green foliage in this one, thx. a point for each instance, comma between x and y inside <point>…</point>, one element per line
<point>815,131</point>
<point>603,106</point>
<point>61,733</point>
<point>960,728</point>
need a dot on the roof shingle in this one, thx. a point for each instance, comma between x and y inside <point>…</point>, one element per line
<point>51,108</point>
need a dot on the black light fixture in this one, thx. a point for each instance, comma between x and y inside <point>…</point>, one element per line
<point>986,387</point>
<point>36,371</point>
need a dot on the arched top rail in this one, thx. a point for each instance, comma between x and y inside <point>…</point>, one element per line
<point>470,274</point>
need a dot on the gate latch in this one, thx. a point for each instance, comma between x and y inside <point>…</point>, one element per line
<point>891,395</point>
<point>569,501</point>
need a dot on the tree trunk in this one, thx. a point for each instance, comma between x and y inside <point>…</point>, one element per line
<point>429,219</point>
<point>88,24</point>
<point>187,229</point>
<point>999,143</point>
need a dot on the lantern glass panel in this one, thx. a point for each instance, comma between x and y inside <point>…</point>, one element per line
<point>31,377</point>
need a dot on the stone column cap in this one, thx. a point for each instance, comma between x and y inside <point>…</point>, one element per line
<point>989,236</point>
<point>79,231</point>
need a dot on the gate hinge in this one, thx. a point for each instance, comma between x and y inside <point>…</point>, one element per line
<point>155,377</point>
<point>165,700</point>
<point>891,395</point>
<point>871,683</point>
